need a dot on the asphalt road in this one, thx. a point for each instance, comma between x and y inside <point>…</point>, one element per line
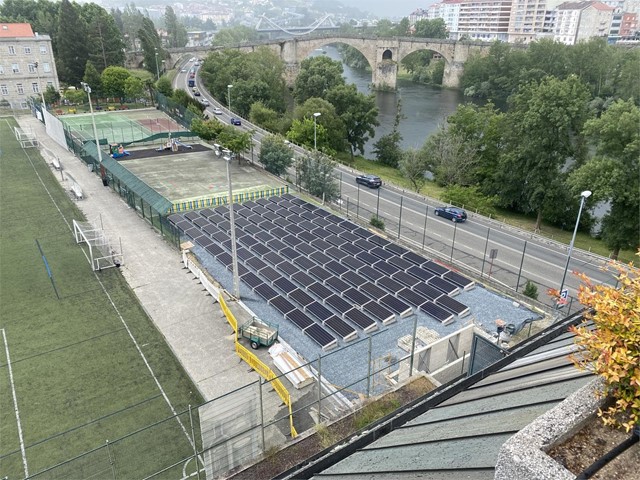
<point>519,255</point>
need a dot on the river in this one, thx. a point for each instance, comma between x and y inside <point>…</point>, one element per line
<point>424,107</point>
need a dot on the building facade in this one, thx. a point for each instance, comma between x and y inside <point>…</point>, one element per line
<point>485,20</point>
<point>579,21</point>
<point>27,65</point>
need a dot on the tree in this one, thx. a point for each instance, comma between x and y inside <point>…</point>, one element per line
<point>176,32</point>
<point>225,135</point>
<point>328,119</point>
<point>74,96</point>
<point>163,85</point>
<point>268,118</point>
<point>235,35</point>
<point>94,80</point>
<point>450,158</point>
<point>133,88</point>
<point>435,28</point>
<point>151,46</point>
<point>317,76</point>
<point>51,95</point>
<point>413,166</point>
<point>315,173</point>
<point>612,349</point>
<point>275,154</point>
<point>71,46</point>
<point>104,40</point>
<point>113,82</point>
<point>303,132</point>
<point>358,113</point>
<point>612,174</point>
<point>387,149</point>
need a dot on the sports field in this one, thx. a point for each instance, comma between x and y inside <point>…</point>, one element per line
<point>84,369</point>
<point>121,127</point>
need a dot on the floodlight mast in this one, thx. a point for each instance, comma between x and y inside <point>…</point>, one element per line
<point>87,89</point>
<point>234,252</point>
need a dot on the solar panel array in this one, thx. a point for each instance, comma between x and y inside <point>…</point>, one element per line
<point>326,275</point>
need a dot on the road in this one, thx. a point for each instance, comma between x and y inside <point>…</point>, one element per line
<point>518,255</point>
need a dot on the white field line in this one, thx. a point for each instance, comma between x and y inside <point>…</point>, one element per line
<point>15,405</point>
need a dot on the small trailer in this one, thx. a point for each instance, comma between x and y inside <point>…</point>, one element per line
<point>259,333</point>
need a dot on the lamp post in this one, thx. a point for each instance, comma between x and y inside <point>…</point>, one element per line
<point>87,89</point>
<point>229,97</point>
<point>44,105</point>
<point>315,136</point>
<point>157,68</point>
<point>583,196</point>
<point>234,253</point>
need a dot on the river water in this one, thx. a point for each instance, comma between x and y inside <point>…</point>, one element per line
<point>424,107</point>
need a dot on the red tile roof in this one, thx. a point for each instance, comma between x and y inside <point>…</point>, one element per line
<point>15,30</point>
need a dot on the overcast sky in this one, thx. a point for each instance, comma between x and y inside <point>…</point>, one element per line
<point>389,8</point>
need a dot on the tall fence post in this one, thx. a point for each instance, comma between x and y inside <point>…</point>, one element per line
<point>521,263</point>
<point>369,369</point>
<point>358,203</point>
<point>453,242</point>
<point>347,207</point>
<point>378,204</point>
<point>424,230</point>
<point>319,389</point>
<point>340,196</point>
<point>486,244</point>
<point>413,344</point>
<point>264,445</point>
<point>193,442</point>
<point>400,218</point>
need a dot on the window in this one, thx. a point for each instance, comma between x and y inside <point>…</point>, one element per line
<point>27,50</point>
<point>49,84</point>
<point>20,89</point>
<point>15,67</point>
<point>35,87</point>
<point>43,49</point>
<point>46,68</point>
<point>4,90</point>
<point>32,68</point>
<point>12,50</point>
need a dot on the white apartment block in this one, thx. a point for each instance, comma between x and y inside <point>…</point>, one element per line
<point>578,21</point>
<point>485,20</point>
<point>528,19</point>
<point>449,11</point>
<point>27,65</point>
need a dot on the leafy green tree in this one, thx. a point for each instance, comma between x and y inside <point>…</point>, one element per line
<point>416,61</point>
<point>75,96</point>
<point>315,172</point>
<point>104,40</point>
<point>317,76</point>
<point>450,158</point>
<point>133,88</point>
<point>151,45</point>
<point>176,32</point>
<point>471,197</point>
<point>235,35</point>
<point>275,154</point>
<point>612,174</point>
<point>352,57</point>
<point>328,118</point>
<point>385,28</point>
<point>402,28</point>
<point>225,135</point>
<point>302,133</point>
<point>437,72</point>
<point>113,82</point>
<point>132,23</point>
<point>435,28</point>
<point>626,76</point>
<point>358,113</point>
<point>71,45</point>
<point>268,119</point>
<point>387,149</point>
<point>94,80</point>
<point>163,85</point>
<point>51,95</point>
<point>413,166</point>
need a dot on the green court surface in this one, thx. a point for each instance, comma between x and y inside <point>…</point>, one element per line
<point>73,369</point>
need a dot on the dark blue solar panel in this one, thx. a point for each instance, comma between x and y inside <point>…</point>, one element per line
<point>214,249</point>
<point>353,263</point>
<point>205,212</point>
<point>204,241</point>
<point>271,216</point>
<point>321,213</point>
<point>379,241</point>
<point>210,229</point>
<point>339,304</point>
<point>351,249</point>
<point>370,273</point>
<point>310,207</point>
<point>273,258</point>
<point>277,199</point>
<point>320,291</point>
<point>291,240</point>
<point>276,245</point>
<point>281,304</point>
<point>336,268</point>
<point>183,225</point>
<point>266,292</point>
<point>278,232</point>
<point>252,229</point>
<point>225,259</point>
<point>242,222</point>
<point>260,249</point>
<point>289,253</point>
<point>307,237</point>
<point>321,222</point>
<point>193,232</point>
<point>428,291</point>
<point>200,222</point>
<point>397,249</point>
<point>420,273</point>
<point>262,201</point>
<point>319,335</point>
<point>191,216</point>
<point>361,319</point>
<point>406,279</point>
<point>382,253</point>
<point>354,279</point>
<point>321,244</point>
<point>272,206</point>
<point>301,297</point>
<point>222,210</point>
<point>401,263</point>
<point>303,279</point>
<point>320,232</point>
<point>340,327</point>
<point>298,210</point>
<point>459,280</point>
<point>320,258</point>
<point>412,298</point>
<point>288,268</point>
<point>362,233</point>
<point>264,237</point>
<point>296,220</point>
<point>243,254</point>
<point>319,311</point>
<point>436,268</point>
<point>337,284</point>
<point>355,296</point>
<point>336,253</point>
<point>290,198</point>
<point>453,305</point>
<point>348,225</point>
<point>285,285</point>
<point>305,249</point>
<point>378,312</point>
<point>251,279</point>
<point>225,226</point>
<point>250,204</point>
<point>437,312</point>
<point>395,305</point>
<point>259,210</point>
<point>349,237</point>
<point>294,229</point>
<point>248,241</point>
<point>367,258</point>
<point>389,285</point>
<point>308,225</point>
<point>372,290</point>
<point>304,263</point>
<point>243,212</point>
<point>444,286</point>
<point>333,218</point>
<point>386,268</point>
<point>254,218</point>
<point>335,240</point>
<point>339,231</point>
<point>308,216</point>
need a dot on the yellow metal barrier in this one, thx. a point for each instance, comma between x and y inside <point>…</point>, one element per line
<point>254,362</point>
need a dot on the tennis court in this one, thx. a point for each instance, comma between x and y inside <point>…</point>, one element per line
<point>121,127</point>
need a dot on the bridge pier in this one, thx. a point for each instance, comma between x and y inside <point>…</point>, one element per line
<point>452,74</point>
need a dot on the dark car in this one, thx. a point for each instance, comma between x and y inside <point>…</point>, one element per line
<point>451,213</point>
<point>370,181</point>
<point>235,121</point>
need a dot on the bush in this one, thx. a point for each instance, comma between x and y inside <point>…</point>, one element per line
<point>377,222</point>
<point>471,198</point>
<point>530,290</point>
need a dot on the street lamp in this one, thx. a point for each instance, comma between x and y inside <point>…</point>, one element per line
<point>315,141</point>
<point>157,68</point>
<point>583,196</point>
<point>35,65</point>
<point>87,89</point>
<point>234,253</point>
<point>229,97</point>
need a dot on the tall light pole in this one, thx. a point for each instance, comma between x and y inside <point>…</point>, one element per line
<point>87,89</point>
<point>583,196</point>
<point>35,65</point>
<point>229,97</point>
<point>315,136</point>
<point>234,253</point>
<point>157,68</point>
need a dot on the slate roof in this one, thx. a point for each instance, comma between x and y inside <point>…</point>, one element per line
<point>459,437</point>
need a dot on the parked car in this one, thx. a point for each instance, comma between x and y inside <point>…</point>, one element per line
<point>451,213</point>
<point>235,121</point>
<point>370,181</point>
<point>217,111</point>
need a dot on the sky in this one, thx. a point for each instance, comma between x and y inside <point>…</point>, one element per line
<point>389,8</point>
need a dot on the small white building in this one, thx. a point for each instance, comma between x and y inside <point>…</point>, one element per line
<point>27,65</point>
<point>578,21</point>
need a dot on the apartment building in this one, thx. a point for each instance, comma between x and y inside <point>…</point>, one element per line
<point>486,20</point>
<point>27,65</point>
<point>449,11</point>
<point>529,19</point>
<point>578,21</point>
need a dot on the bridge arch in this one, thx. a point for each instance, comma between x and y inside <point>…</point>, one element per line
<point>305,47</point>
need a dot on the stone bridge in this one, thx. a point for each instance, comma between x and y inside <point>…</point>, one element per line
<point>382,53</point>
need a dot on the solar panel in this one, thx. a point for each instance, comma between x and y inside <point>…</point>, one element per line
<point>386,268</point>
<point>295,219</point>
<point>288,268</point>
<point>395,305</point>
<point>297,209</point>
<point>321,222</point>
<point>191,216</point>
<point>334,218</point>
<point>283,223</point>
<point>321,213</point>
<point>271,216</point>
<point>319,311</point>
<point>337,284</point>
<point>243,254</point>
<point>308,216</point>
<point>459,280</point>
<point>227,244</point>
<point>308,225</point>
<point>294,229</point>
<point>264,237</point>
<point>285,285</point>
<point>444,286</point>
<point>278,232</point>
<point>389,285</point>
<point>284,213</point>
<point>262,201</point>
<point>291,240</point>
<point>183,225</point>
<point>361,319</point>
<point>420,273</point>
<point>310,207</point>
<point>214,249</point>
<point>370,273</point>
<point>204,241</point>
<point>355,296</point>
<point>397,249</point>
<point>412,298</point>
<point>272,206</point>
<point>193,232</point>
<point>353,263</point>
<point>336,253</point>
<point>401,263</point>
<point>241,222</point>
<point>248,241</point>
<point>301,297</point>
<point>252,229</point>
<point>270,274</point>
<point>414,258</point>
<point>453,305</point>
<point>321,244</point>
<point>339,304</point>
<point>405,279</point>
<point>304,263</point>
<point>175,218</point>
<point>382,253</point>
<point>251,279</point>
<point>281,304</point>
<point>379,312</point>
<point>427,291</point>
<point>265,291</point>
<point>354,279</point>
<point>320,258</point>
<point>351,249</point>
<point>336,230</point>
<point>260,249</point>
<point>319,335</point>
<point>305,249</point>
<point>225,259</point>
<point>435,268</point>
<point>273,258</point>
<point>439,313</point>
<point>276,245</point>
<point>379,241</point>
<point>341,328</point>
<point>276,199</point>
<point>335,240</point>
<point>250,204</point>
<point>222,210</point>
<point>372,290</point>
<point>289,253</point>
<point>259,210</point>
<point>307,237</point>
<point>200,222</point>
<point>348,225</point>
<point>216,218</point>
<point>367,258</point>
<point>303,279</point>
<point>225,226</point>
<point>362,233</point>
<point>320,291</point>
<point>336,268</point>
